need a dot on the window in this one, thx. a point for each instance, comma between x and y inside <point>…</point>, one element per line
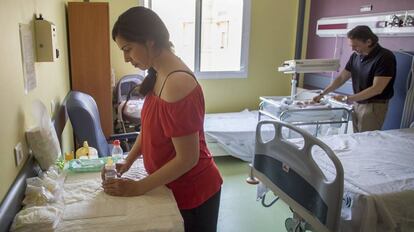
<point>211,36</point>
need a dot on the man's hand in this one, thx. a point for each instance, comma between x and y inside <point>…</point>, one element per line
<point>318,98</point>
<point>341,98</point>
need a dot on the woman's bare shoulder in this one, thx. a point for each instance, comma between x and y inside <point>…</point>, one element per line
<point>177,86</point>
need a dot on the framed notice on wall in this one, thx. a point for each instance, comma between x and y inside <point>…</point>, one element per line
<point>28,58</point>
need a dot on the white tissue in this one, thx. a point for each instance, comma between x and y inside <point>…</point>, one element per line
<point>43,204</point>
<point>38,218</point>
<point>42,139</point>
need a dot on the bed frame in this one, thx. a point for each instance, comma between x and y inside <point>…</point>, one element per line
<point>292,174</point>
<point>12,202</point>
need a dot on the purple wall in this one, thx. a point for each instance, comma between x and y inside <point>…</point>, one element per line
<point>319,47</point>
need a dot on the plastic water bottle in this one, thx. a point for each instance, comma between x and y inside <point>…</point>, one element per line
<point>110,169</point>
<point>117,152</point>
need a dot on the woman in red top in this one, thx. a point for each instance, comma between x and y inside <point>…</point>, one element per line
<point>172,139</point>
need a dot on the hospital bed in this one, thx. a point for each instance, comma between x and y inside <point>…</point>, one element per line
<point>349,182</point>
<point>231,133</point>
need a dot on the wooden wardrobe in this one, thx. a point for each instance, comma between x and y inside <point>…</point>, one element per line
<point>90,68</point>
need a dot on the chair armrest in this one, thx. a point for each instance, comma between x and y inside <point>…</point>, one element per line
<point>125,136</point>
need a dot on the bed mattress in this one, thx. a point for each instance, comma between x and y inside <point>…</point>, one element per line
<point>379,179</point>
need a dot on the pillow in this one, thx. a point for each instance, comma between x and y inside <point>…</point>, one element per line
<point>42,138</point>
<point>45,145</point>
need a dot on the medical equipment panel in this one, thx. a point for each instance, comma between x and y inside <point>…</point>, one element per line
<point>385,24</point>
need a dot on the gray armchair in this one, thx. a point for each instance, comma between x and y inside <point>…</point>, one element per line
<point>84,116</point>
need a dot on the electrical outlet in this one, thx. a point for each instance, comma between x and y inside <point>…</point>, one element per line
<point>18,154</point>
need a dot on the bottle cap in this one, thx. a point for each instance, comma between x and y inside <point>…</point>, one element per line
<point>69,156</point>
<point>85,144</point>
<point>116,142</point>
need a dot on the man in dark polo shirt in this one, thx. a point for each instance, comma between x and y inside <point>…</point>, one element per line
<point>372,69</point>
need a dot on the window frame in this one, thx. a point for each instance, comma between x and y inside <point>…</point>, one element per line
<point>245,37</point>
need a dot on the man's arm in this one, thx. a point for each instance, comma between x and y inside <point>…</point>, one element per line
<point>338,82</point>
<point>377,87</point>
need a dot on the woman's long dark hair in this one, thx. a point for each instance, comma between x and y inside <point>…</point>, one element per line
<point>140,24</point>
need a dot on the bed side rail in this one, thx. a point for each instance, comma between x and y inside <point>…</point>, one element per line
<point>296,178</point>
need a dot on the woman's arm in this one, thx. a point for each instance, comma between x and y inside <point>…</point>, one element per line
<point>133,155</point>
<point>187,153</point>
<point>135,151</point>
<point>187,150</point>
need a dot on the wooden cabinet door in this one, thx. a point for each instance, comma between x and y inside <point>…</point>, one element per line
<point>89,38</point>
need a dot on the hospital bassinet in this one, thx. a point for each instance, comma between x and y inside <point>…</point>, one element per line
<point>320,119</point>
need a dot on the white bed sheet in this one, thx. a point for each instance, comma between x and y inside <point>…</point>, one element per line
<point>379,179</point>
<point>235,132</point>
<point>88,208</point>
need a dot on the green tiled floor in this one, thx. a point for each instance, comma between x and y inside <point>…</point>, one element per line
<point>239,210</point>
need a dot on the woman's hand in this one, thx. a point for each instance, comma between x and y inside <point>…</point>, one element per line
<point>122,167</point>
<point>122,187</point>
